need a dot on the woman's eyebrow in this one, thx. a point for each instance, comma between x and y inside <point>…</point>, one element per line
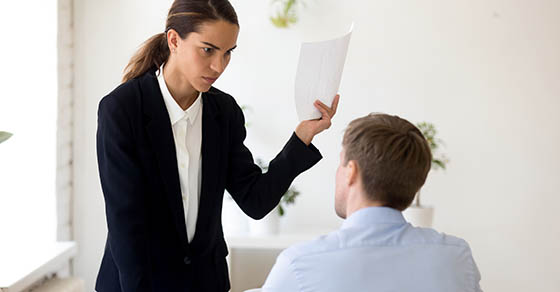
<point>216,47</point>
<point>211,45</point>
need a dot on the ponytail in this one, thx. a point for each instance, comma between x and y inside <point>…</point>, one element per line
<point>153,53</point>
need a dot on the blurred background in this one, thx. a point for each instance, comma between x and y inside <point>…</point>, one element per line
<point>486,73</point>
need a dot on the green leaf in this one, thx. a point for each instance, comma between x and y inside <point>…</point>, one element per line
<point>280,210</point>
<point>279,21</point>
<point>4,136</point>
<point>286,15</point>
<point>288,198</point>
<point>429,131</point>
<point>438,164</point>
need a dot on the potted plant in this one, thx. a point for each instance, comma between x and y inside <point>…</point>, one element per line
<point>285,13</point>
<point>418,214</point>
<point>4,136</point>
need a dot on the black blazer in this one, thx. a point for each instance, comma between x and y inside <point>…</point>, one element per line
<point>147,247</point>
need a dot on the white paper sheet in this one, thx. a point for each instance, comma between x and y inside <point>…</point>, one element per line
<point>319,73</point>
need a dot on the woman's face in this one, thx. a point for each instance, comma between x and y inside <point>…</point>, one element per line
<point>203,56</point>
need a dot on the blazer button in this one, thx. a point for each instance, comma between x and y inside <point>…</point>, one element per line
<point>187,260</point>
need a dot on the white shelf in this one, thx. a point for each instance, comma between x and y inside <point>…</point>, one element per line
<point>21,265</point>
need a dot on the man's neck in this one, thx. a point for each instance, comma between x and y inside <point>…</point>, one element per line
<point>359,203</point>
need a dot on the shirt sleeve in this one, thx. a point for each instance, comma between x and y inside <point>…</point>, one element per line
<point>282,277</point>
<point>472,273</point>
<point>476,276</point>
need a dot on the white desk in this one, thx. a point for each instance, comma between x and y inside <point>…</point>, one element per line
<point>251,257</point>
<point>279,241</point>
<point>21,265</point>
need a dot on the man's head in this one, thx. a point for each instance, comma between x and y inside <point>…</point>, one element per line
<point>384,161</point>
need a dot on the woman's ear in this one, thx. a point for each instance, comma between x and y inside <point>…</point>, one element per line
<point>172,40</point>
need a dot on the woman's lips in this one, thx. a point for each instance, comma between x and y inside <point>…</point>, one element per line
<point>210,80</point>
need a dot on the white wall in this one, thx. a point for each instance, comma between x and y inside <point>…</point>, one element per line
<point>486,72</point>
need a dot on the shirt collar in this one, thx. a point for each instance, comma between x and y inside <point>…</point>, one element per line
<point>373,215</point>
<point>193,110</point>
<point>176,113</point>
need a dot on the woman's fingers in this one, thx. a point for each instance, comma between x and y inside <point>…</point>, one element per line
<point>306,130</point>
<point>325,110</point>
<point>325,117</point>
<point>334,105</point>
<point>330,110</point>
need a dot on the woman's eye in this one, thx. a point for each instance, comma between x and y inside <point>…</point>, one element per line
<point>207,50</point>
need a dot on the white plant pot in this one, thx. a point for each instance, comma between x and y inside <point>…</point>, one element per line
<point>269,225</point>
<point>419,216</point>
<point>234,221</point>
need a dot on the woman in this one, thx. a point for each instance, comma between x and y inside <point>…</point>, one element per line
<point>168,145</point>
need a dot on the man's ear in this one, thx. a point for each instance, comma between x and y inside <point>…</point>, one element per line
<point>352,172</point>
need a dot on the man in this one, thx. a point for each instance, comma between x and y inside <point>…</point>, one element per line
<point>383,163</point>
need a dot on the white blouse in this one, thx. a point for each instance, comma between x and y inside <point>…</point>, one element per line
<point>187,133</point>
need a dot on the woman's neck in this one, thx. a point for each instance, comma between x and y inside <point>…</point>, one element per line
<point>179,87</point>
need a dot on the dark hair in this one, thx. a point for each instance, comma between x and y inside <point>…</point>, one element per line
<point>185,16</point>
<point>393,158</point>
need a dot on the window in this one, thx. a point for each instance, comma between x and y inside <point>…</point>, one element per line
<point>28,108</point>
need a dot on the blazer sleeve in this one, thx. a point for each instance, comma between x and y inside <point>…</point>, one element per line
<point>257,193</point>
<point>125,202</point>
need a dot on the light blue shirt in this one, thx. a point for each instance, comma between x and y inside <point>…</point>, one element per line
<point>376,250</point>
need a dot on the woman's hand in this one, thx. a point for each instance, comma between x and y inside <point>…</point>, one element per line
<point>306,130</point>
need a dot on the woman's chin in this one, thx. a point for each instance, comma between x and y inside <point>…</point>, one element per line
<point>203,88</point>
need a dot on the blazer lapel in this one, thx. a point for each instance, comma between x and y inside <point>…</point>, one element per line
<point>211,157</point>
<point>160,133</point>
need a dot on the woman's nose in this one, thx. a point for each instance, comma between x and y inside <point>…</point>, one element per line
<point>218,64</point>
